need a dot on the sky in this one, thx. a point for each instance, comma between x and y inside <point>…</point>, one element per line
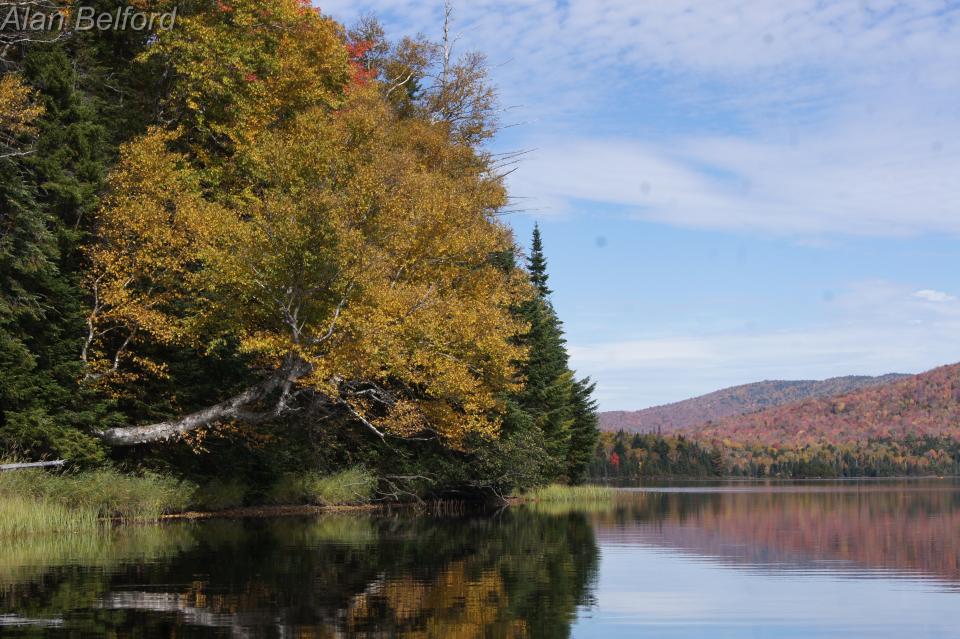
<point>729,191</point>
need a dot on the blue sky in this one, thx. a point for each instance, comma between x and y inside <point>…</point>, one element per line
<point>730,191</point>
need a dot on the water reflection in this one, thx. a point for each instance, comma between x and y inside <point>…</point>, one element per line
<point>828,560</point>
<point>910,528</point>
<point>517,574</point>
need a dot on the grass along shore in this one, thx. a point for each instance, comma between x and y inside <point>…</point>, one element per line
<point>34,501</point>
<point>569,494</point>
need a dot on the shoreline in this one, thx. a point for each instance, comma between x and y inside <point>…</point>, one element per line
<point>610,483</point>
<point>440,507</point>
<point>264,512</point>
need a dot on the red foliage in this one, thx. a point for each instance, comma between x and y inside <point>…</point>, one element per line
<point>925,404</point>
<point>615,460</point>
<point>360,74</point>
<point>358,49</point>
<point>737,400</point>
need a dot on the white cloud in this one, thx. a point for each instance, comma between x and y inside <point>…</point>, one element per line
<point>880,327</point>
<point>721,36</point>
<point>934,296</point>
<point>561,57</point>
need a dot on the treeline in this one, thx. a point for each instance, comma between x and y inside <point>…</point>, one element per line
<point>623,455</point>
<point>261,243</point>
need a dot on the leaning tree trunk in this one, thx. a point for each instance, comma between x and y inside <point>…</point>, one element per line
<point>236,407</point>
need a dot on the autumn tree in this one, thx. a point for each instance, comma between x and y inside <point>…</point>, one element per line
<point>18,115</point>
<point>345,248</point>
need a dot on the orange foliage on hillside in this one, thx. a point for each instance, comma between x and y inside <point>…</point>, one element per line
<point>736,400</point>
<point>925,404</point>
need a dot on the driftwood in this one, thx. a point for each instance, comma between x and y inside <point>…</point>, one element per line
<point>43,464</point>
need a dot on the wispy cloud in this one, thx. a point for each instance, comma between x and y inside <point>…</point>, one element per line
<point>872,175</point>
<point>881,328</point>
<point>836,117</point>
<point>938,297</point>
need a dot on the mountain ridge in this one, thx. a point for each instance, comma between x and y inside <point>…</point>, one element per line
<point>924,405</point>
<point>735,401</point>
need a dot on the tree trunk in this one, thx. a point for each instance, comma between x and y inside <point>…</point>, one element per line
<point>232,408</point>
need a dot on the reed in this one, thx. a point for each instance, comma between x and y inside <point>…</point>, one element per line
<point>36,501</point>
<point>561,493</point>
<point>23,516</point>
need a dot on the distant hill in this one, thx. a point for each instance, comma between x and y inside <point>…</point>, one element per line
<point>737,400</point>
<point>925,404</point>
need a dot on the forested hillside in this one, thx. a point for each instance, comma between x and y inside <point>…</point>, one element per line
<point>263,243</point>
<point>922,405</point>
<point>736,400</point>
<point>907,427</point>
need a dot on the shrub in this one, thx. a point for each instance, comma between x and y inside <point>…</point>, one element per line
<point>351,486</point>
<point>220,494</point>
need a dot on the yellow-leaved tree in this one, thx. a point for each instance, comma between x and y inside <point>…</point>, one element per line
<point>17,115</point>
<point>346,248</point>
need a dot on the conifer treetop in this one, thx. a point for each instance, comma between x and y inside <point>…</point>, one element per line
<point>537,264</point>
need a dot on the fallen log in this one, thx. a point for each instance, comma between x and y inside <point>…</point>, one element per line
<point>43,464</point>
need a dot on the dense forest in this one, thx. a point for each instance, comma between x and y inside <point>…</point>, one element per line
<point>260,243</point>
<point>623,455</point>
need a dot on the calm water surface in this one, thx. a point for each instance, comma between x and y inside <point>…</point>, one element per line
<point>821,559</point>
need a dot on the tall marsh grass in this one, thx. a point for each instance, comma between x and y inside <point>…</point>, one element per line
<point>35,500</point>
<point>560,493</point>
<point>23,516</point>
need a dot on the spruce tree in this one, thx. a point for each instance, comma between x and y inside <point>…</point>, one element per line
<point>91,98</point>
<point>560,407</point>
<point>584,430</point>
<point>537,264</point>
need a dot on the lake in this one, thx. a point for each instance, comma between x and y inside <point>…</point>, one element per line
<point>816,559</point>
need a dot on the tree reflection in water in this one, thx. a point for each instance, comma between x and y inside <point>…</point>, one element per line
<point>910,528</point>
<point>516,574</point>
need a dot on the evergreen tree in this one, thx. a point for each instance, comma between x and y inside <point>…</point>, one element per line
<point>85,86</point>
<point>560,407</point>
<point>537,264</point>
<point>584,430</point>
